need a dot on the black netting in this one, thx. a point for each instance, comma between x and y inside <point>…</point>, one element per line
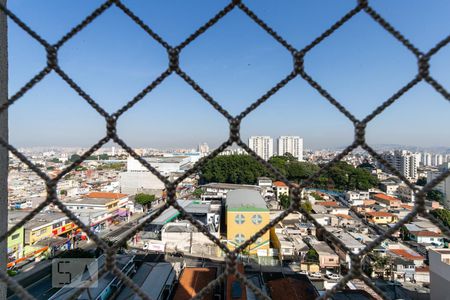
<point>174,69</point>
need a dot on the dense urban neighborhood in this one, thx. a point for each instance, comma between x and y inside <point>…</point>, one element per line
<point>342,210</point>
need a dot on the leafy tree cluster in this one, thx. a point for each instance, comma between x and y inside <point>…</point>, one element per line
<point>198,192</point>
<point>55,160</point>
<point>285,201</point>
<point>144,199</point>
<point>112,166</point>
<point>312,256</point>
<point>244,169</point>
<point>436,195</point>
<point>443,215</point>
<point>316,196</point>
<point>421,181</point>
<point>74,157</point>
<point>240,169</point>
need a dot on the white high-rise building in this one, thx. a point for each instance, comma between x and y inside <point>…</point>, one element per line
<point>426,159</point>
<point>438,160</point>
<point>444,185</point>
<point>292,145</point>
<point>261,145</point>
<point>203,149</point>
<point>404,161</point>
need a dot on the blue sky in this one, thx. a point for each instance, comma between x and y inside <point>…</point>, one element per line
<point>236,62</point>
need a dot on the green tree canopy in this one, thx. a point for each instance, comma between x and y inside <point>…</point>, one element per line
<point>312,256</point>
<point>74,157</point>
<point>144,199</point>
<point>421,181</point>
<point>436,195</point>
<point>285,201</point>
<point>443,215</point>
<point>307,206</point>
<point>244,169</point>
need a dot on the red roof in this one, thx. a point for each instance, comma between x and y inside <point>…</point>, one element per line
<point>407,254</point>
<point>406,206</point>
<point>380,214</point>
<point>344,216</point>
<point>385,197</point>
<point>279,184</point>
<point>192,281</point>
<point>105,195</point>
<point>426,233</point>
<point>327,203</point>
<point>424,269</point>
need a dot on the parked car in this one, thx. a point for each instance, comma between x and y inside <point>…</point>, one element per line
<point>333,276</point>
<point>315,274</point>
<point>303,272</point>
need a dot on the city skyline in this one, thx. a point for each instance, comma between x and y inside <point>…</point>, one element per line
<point>230,62</point>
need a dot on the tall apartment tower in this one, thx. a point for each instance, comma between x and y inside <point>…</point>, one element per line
<point>426,159</point>
<point>438,160</point>
<point>292,145</point>
<point>203,149</point>
<point>404,161</point>
<point>261,145</point>
<point>444,185</point>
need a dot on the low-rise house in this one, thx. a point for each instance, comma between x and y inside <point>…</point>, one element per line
<point>327,257</point>
<point>387,201</point>
<point>381,217</point>
<point>404,269</point>
<point>422,274</point>
<point>407,254</point>
<point>427,237</point>
<point>356,198</point>
<point>280,188</point>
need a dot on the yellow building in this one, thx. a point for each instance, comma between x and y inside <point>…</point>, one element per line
<point>381,217</point>
<point>247,213</point>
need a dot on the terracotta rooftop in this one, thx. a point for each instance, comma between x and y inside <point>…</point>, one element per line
<point>406,254</point>
<point>328,203</point>
<point>385,197</point>
<point>407,206</point>
<point>279,184</point>
<point>105,195</point>
<point>426,233</point>
<point>344,216</point>
<point>423,269</point>
<point>192,281</point>
<point>380,214</point>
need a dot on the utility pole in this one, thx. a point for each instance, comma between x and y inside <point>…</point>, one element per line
<point>3,151</point>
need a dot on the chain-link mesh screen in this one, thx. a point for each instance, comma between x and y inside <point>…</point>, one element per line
<point>174,69</point>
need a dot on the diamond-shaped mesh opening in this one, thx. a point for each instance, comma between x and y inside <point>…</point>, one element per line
<point>298,56</point>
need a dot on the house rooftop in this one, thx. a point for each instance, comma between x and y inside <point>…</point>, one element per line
<point>328,203</point>
<point>106,195</point>
<point>292,288</point>
<point>407,254</point>
<point>426,233</point>
<point>386,197</point>
<point>279,184</point>
<point>380,214</point>
<point>192,281</point>
<point>245,200</point>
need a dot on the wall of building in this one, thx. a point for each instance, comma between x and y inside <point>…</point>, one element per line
<point>248,228</point>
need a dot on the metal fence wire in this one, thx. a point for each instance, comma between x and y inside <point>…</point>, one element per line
<point>173,68</point>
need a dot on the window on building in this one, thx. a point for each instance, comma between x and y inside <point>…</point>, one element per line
<point>239,219</point>
<point>15,236</point>
<point>256,219</point>
<point>239,238</point>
